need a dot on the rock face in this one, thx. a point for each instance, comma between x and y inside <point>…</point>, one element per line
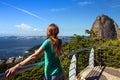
<point>105,28</point>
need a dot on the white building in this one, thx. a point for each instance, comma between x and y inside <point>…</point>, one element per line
<point>18,59</point>
<point>10,60</point>
<point>2,61</point>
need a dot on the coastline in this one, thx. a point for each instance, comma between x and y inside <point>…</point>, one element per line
<point>20,47</point>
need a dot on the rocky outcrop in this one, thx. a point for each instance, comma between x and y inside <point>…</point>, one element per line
<point>117,30</point>
<point>33,49</point>
<point>105,28</point>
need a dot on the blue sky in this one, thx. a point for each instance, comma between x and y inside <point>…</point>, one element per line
<point>31,17</point>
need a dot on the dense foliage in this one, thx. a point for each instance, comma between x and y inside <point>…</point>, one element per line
<point>109,55</point>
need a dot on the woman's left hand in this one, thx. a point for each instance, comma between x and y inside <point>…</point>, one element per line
<point>11,71</point>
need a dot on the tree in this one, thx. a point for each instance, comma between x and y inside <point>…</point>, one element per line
<point>87,31</point>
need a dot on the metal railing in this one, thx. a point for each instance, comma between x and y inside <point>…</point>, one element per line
<point>74,65</point>
<point>85,60</point>
<point>102,55</point>
<point>24,68</point>
<point>28,67</point>
<point>106,56</point>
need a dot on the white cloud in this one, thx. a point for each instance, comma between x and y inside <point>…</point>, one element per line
<point>85,3</point>
<point>30,13</point>
<point>35,29</point>
<point>23,10</point>
<point>57,9</point>
<point>26,27</point>
<point>39,30</point>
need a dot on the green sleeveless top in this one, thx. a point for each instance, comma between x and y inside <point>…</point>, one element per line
<point>52,62</point>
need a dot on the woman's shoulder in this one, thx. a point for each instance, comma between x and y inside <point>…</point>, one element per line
<point>47,41</point>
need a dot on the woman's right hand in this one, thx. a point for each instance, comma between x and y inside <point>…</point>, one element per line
<point>11,71</point>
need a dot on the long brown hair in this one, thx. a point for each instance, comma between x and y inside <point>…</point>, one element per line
<point>52,32</point>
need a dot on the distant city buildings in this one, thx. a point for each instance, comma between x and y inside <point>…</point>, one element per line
<point>18,59</point>
<point>12,60</point>
<point>2,61</point>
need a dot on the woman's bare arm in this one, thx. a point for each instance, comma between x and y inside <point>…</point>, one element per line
<point>13,69</point>
<point>31,57</point>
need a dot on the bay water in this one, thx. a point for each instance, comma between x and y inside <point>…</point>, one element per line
<point>15,46</point>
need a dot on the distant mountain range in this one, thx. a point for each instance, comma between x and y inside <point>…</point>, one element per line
<point>29,37</point>
<point>23,37</point>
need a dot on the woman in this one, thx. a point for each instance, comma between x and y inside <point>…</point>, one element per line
<point>52,49</point>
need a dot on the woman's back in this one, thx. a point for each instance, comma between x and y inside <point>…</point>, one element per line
<point>52,62</point>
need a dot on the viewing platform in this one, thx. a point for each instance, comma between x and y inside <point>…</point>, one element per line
<point>99,73</point>
<point>91,71</point>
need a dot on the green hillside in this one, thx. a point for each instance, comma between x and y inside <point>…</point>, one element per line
<point>110,56</point>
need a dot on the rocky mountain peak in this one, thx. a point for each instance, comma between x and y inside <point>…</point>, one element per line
<point>105,28</point>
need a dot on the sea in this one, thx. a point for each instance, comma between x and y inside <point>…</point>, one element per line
<point>16,46</point>
<point>13,46</point>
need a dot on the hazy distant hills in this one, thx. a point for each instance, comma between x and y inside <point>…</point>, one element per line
<point>30,37</point>
<point>23,37</point>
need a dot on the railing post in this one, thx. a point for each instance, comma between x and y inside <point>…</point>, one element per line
<point>91,58</point>
<point>77,65</point>
<point>73,67</point>
<point>100,56</point>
